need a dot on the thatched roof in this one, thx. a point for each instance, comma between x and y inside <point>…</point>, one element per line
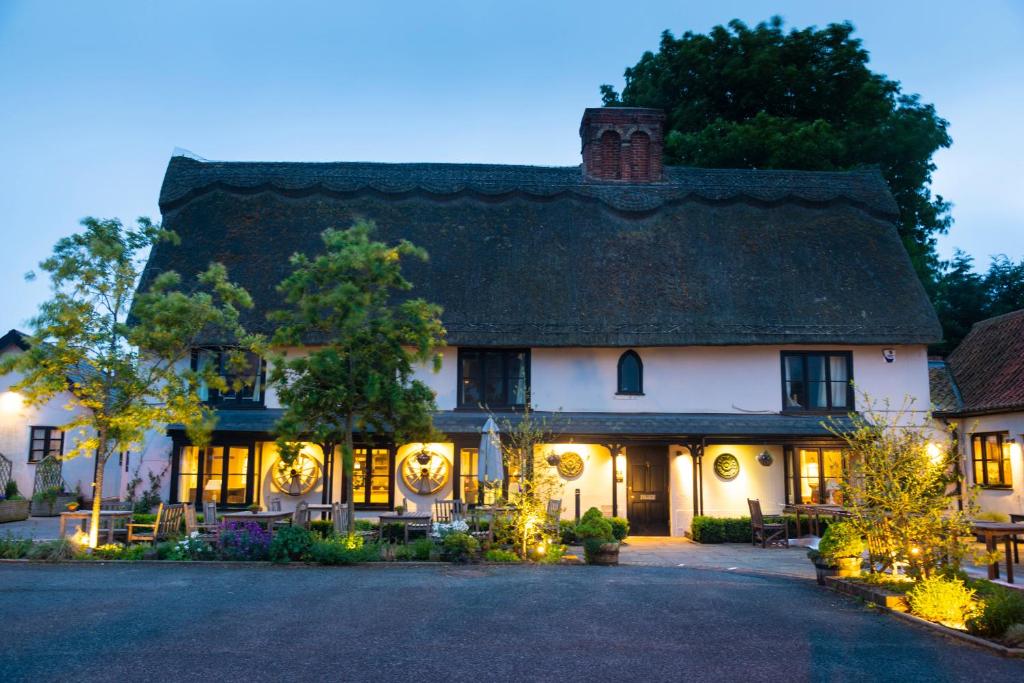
<point>531,256</point>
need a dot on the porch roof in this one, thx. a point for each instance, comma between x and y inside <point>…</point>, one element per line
<point>643,425</point>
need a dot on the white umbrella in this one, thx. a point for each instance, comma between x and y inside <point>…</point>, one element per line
<point>489,457</point>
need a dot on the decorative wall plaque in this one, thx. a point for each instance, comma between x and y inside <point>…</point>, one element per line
<point>727,466</point>
<point>425,472</point>
<point>571,465</point>
<point>299,478</point>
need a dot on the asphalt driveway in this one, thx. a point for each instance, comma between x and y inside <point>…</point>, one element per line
<point>74,622</point>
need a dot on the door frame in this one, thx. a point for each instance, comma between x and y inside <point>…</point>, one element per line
<point>667,483</point>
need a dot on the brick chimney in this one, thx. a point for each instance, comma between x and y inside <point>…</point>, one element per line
<point>623,143</point>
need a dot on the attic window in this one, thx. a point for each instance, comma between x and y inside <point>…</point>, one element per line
<point>631,374</point>
<point>252,378</point>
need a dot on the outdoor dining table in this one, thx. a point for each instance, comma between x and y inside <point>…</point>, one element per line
<point>814,511</point>
<point>109,515</point>
<point>993,531</point>
<point>404,519</point>
<point>265,517</point>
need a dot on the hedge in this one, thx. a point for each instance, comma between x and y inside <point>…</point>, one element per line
<point>737,529</point>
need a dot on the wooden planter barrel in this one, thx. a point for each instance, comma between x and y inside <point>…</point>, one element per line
<point>42,508</point>
<point>14,510</point>
<point>607,555</point>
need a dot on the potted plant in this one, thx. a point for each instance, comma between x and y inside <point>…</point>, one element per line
<point>839,552</point>
<point>400,510</point>
<point>254,509</point>
<point>13,506</point>
<point>598,539</point>
<point>49,502</point>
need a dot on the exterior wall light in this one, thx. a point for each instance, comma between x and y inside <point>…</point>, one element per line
<point>11,402</point>
<point>620,468</point>
<point>934,453</point>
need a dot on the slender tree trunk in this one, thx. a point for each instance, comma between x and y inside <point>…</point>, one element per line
<point>348,462</point>
<point>97,494</point>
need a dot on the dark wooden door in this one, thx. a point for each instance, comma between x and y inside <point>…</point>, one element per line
<point>647,490</point>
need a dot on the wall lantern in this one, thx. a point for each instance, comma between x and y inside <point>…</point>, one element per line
<point>620,468</point>
<point>889,355</point>
<point>765,458</point>
<point>934,452</point>
<point>11,402</point>
<point>1015,449</point>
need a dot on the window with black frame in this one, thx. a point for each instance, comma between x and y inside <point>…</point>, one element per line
<point>631,374</point>
<point>990,456</point>
<point>496,378</point>
<point>817,381</point>
<point>44,442</point>
<point>250,376</point>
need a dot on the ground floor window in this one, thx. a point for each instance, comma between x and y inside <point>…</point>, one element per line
<point>990,456</point>
<point>221,474</point>
<point>45,442</point>
<point>815,474</point>
<point>373,478</point>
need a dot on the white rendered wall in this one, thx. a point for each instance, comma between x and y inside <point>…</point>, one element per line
<point>1005,501</point>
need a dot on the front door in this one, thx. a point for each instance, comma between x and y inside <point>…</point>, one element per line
<point>647,490</point>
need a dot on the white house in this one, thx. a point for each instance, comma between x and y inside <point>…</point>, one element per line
<point>688,330</point>
<point>980,389</point>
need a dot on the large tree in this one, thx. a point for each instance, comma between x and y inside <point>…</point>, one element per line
<point>362,340</point>
<point>124,354</point>
<point>805,99</point>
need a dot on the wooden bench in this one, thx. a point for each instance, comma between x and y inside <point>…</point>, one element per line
<point>166,525</point>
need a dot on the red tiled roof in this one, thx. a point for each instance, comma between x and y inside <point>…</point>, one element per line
<point>989,364</point>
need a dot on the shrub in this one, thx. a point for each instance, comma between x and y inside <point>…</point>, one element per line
<point>116,551</point>
<point>13,548</point>
<point>592,546</point>
<point>344,550</point>
<point>552,554</point>
<point>992,517</point>
<point>191,548</point>
<point>620,528</point>
<point>946,601</point>
<point>594,528</point>
<point>567,531</point>
<point>248,541</point>
<point>321,527</point>
<point>592,513</point>
<point>11,491</point>
<point>421,549</point>
<point>53,551</point>
<point>459,547</point>
<point>366,525</point>
<point>498,555</point>
<point>1000,609</point>
<point>143,518</point>
<point>708,529</point>
<point>841,540</point>
<point>1014,636</point>
<point>290,543</point>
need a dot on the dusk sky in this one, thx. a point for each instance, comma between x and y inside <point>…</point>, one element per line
<point>97,95</point>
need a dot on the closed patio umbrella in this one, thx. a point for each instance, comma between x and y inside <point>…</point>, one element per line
<point>490,467</point>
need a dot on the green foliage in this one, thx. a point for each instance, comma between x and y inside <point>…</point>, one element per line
<point>459,547</point>
<point>963,296</point>
<point>124,350</point>
<point>592,546</point>
<point>421,549</point>
<point>992,517</point>
<point>553,554</point>
<point>360,378</point>
<point>620,528</point>
<point>52,551</point>
<point>1014,636</point>
<point>945,601</point>
<point>290,543</point>
<point>322,527</point>
<point>48,495</point>
<point>115,551</point>
<point>349,550</point>
<point>840,541</point>
<point>11,490</point>
<point>594,528</point>
<point>591,514</point>
<point>1001,607</point>
<point>13,548</point>
<point>567,531</point>
<point>499,555</point>
<point>763,98</point>
<point>191,548</point>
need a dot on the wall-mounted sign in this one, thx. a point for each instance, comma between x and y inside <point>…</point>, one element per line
<point>571,465</point>
<point>425,472</point>
<point>298,478</point>
<point>727,466</point>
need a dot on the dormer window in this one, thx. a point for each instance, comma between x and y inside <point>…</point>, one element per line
<point>631,374</point>
<point>252,378</point>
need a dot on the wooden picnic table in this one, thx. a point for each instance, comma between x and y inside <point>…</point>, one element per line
<point>814,511</point>
<point>992,531</point>
<point>404,519</point>
<point>105,515</point>
<point>265,517</point>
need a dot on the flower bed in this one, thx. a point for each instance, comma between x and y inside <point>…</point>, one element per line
<point>737,529</point>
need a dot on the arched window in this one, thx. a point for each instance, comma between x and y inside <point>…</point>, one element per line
<point>611,149</point>
<point>631,374</point>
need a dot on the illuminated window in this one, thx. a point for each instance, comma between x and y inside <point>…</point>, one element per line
<point>498,378</point>
<point>219,474</point>
<point>45,441</point>
<point>817,474</point>
<point>817,381</point>
<point>250,376</point>
<point>469,463</point>
<point>631,374</point>
<point>372,478</point>
<point>990,456</point>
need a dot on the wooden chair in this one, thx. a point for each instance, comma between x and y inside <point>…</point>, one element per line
<point>339,515</point>
<point>167,524</point>
<point>120,524</point>
<point>300,517</point>
<point>274,505</point>
<point>1015,539</point>
<point>767,532</point>
<point>553,517</point>
<point>447,511</point>
<point>192,526</point>
<point>210,516</point>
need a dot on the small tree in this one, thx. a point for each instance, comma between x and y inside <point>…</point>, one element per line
<point>357,376</point>
<point>128,372</point>
<point>900,487</point>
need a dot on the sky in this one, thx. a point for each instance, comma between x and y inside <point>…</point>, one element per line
<point>94,97</point>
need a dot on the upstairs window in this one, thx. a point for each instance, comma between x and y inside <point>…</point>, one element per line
<point>44,442</point>
<point>496,378</point>
<point>990,456</point>
<point>251,376</point>
<point>631,374</point>
<point>817,380</point>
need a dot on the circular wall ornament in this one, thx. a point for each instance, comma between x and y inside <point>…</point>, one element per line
<point>765,458</point>
<point>425,472</point>
<point>727,466</point>
<point>571,465</point>
<point>298,478</point>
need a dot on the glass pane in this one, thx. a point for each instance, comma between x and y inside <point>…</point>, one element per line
<point>380,479</point>
<point>1007,475</point>
<point>817,388</point>
<point>56,440</point>
<point>839,374</point>
<point>188,466</point>
<point>494,378</point>
<point>469,461</point>
<point>979,477</point>
<point>470,390</point>
<point>794,382</point>
<point>359,477</point>
<point>629,374</point>
<point>832,460</point>
<point>992,469</point>
<point>517,378</point>
<point>810,480</point>
<point>238,467</point>
<point>213,468</point>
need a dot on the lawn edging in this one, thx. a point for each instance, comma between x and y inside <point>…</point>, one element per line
<point>895,604</point>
